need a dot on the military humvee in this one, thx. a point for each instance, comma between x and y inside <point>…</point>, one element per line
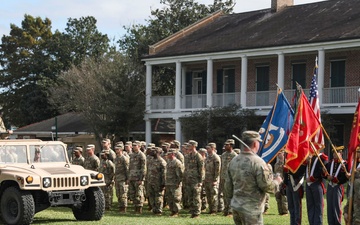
<point>35,175</point>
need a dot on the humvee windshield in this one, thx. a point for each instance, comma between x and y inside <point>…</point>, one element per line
<point>37,154</point>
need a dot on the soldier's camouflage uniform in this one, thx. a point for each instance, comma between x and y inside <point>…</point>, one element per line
<point>79,161</point>
<point>212,175</point>
<point>355,220</point>
<point>92,163</point>
<point>173,179</point>
<point>107,167</point>
<point>137,172</point>
<point>155,183</point>
<point>226,157</point>
<point>281,199</point>
<point>247,181</point>
<point>121,172</point>
<point>185,195</point>
<point>195,174</point>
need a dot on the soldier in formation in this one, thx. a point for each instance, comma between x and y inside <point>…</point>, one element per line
<point>156,181</point>
<point>173,183</point>
<point>107,167</point>
<point>137,172</point>
<point>91,162</point>
<point>78,158</point>
<point>121,176</point>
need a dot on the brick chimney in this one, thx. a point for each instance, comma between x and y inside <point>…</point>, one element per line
<point>277,5</point>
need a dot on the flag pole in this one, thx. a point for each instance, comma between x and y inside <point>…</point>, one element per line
<point>317,155</point>
<point>352,188</point>
<point>333,148</point>
<point>272,116</point>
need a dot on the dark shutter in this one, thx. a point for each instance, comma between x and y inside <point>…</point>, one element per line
<point>219,82</point>
<point>204,82</point>
<point>231,81</point>
<point>188,81</point>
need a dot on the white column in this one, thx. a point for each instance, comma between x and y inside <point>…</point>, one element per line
<point>148,87</point>
<point>178,132</point>
<point>244,64</point>
<point>178,86</point>
<point>147,130</point>
<point>321,74</point>
<point>183,86</point>
<point>209,83</point>
<point>281,70</point>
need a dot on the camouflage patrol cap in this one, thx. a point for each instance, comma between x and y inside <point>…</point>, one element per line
<point>176,143</point>
<point>193,143</point>
<point>91,146</point>
<point>171,151</point>
<point>143,143</point>
<point>150,145</point>
<point>202,150</point>
<point>184,145</point>
<point>128,143</point>
<point>105,151</point>
<point>165,144</point>
<point>229,142</point>
<point>106,140</point>
<point>138,143</point>
<point>212,145</point>
<point>119,146</point>
<point>78,149</point>
<point>251,135</point>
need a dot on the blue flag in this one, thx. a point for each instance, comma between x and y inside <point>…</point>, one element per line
<point>276,128</point>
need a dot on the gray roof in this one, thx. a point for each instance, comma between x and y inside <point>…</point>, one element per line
<point>69,122</point>
<point>331,20</point>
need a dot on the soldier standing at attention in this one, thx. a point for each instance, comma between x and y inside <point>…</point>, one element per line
<point>92,162</point>
<point>226,157</point>
<point>137,172</point>
<point>247,180</point>
<point>204,204</point>
<point>194,172</point>
<point>156,181</point>
<point>185,195</point>
<point>212,177</point>
<point>121,172</point>
<point>173,178</point>
<point>176,146</point>
<point>78,159</point>
<point>106,143</point>
<point>281,199</point>
<point>107,167</point>
<point>128,147</point>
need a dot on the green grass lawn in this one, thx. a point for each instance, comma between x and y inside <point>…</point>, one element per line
<point>65,216</point>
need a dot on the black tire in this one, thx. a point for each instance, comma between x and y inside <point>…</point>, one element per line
<point>17,207</point>
<point>94,206</point>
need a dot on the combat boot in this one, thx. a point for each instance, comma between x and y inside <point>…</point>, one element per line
<point>140,210</point>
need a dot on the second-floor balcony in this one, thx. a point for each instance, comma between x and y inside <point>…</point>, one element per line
<point>336,97</point>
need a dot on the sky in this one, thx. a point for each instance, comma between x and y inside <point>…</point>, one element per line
<point>111,15</point>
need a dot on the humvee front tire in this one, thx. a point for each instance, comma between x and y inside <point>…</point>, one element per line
<point>93,207</point>
<point>17,207</point>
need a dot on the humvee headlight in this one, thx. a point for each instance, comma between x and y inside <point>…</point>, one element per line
<point>29,179</point>
<point>97,176</point>
<point>46,182</point>
<point>84,180</point>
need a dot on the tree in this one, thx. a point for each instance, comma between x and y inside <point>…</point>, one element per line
<point>108,91</point>
<point>218,124</point>
<point>174,16</point>
<point>31,58</point>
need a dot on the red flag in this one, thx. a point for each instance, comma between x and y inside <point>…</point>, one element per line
<point>318,139</point>
<point>354,141</point>
<point>305,127</point>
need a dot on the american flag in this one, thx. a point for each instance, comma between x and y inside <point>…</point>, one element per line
<point>318,139</point>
